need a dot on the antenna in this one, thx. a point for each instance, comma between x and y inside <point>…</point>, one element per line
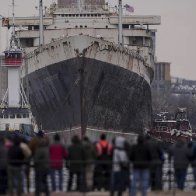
<point>14,43</point>
<point>13,17</point>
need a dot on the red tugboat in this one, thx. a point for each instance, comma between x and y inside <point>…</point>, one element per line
<point>171,130</point>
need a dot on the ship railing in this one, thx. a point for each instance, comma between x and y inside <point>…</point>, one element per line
<point>91,132</point>
<point>98,178</point>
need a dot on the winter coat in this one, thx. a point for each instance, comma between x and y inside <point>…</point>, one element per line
<point>76,157</point>
<point>16,156</point>
<point>181,155</point>
<point>3,157</point>
<point>120,157</point>
<point>42,157</point>
<point>89,152</point>
<point>57,154</point>
<point>140,155</point>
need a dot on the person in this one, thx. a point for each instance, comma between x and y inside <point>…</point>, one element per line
<point>75,161</point>
<point>57,154</point>
<point>120,167</point>
<point>181,155</point>
<point>41,163</point>
<point>156,167</point>
<point>89,156</point>
<point>3,168</point>
<point>103,163</point>
<point>193,161</point>
<point>35,141</point>
<point>15,162</point>
<point>26,167</point>
<point>141,158</point>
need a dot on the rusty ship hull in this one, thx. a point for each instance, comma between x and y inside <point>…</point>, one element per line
<point>83,81</point>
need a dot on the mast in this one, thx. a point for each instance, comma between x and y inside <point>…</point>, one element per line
<point>13,61</point>
<point>120,36</point>
<point>13,17</point>
<point>41,29</point>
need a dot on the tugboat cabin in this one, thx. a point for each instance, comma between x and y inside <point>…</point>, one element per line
<point>13,58</point>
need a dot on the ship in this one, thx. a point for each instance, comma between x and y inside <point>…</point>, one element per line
<point>88,66</point>
<point>15,114</point>
<point>170,129</point>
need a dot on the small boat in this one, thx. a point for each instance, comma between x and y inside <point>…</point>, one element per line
<point>168,129</point>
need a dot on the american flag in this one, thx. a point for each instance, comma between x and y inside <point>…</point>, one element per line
<point>129,8</point>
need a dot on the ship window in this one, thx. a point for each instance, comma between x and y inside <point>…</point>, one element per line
<point>18,116</point>
<point>24,115</point>
<point>85,26</point>
<point>27,42</point>
<point>106,26</point>
<point>81,26</point>
<point>12,115</point>
<point>1,115</point>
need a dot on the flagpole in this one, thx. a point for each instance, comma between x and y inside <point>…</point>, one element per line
<point>120,36</point>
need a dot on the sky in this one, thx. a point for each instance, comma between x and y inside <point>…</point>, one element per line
<point>176,36</point>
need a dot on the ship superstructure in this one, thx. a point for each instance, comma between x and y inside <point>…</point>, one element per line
<point>80,74</point>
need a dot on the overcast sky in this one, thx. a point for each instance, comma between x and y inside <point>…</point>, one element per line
<point>176,36</point>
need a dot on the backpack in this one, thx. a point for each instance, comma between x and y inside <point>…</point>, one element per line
<point>104,155</point>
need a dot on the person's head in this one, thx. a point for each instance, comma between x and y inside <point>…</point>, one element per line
<point>40,133</point>
<point>140,139</point>
<point>86,139</point>
<point>75,139</point>
<point>56,137</point>
<point>103,136</point>
<point>147,137</point>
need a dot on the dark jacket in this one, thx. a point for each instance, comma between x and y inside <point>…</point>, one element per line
<point>15,156</point>
<point>76,156</point>
<point>42,156</point>
<point>157,153</point>
<point>3,157</point>
<point>89,151</point>
<point>181,155</point>
<point>140,155</point>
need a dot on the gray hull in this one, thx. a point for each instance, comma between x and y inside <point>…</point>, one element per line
<point>89,93</point>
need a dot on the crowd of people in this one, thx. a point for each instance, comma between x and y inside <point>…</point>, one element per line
<point>114,166</point>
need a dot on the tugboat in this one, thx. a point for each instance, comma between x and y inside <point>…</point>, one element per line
<point>15,113</point>
<point>171,130</point>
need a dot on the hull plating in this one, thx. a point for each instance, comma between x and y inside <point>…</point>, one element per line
<point>89,93</point>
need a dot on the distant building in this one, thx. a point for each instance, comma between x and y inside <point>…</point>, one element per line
<point>162,76</point>
<point>3,81</point>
